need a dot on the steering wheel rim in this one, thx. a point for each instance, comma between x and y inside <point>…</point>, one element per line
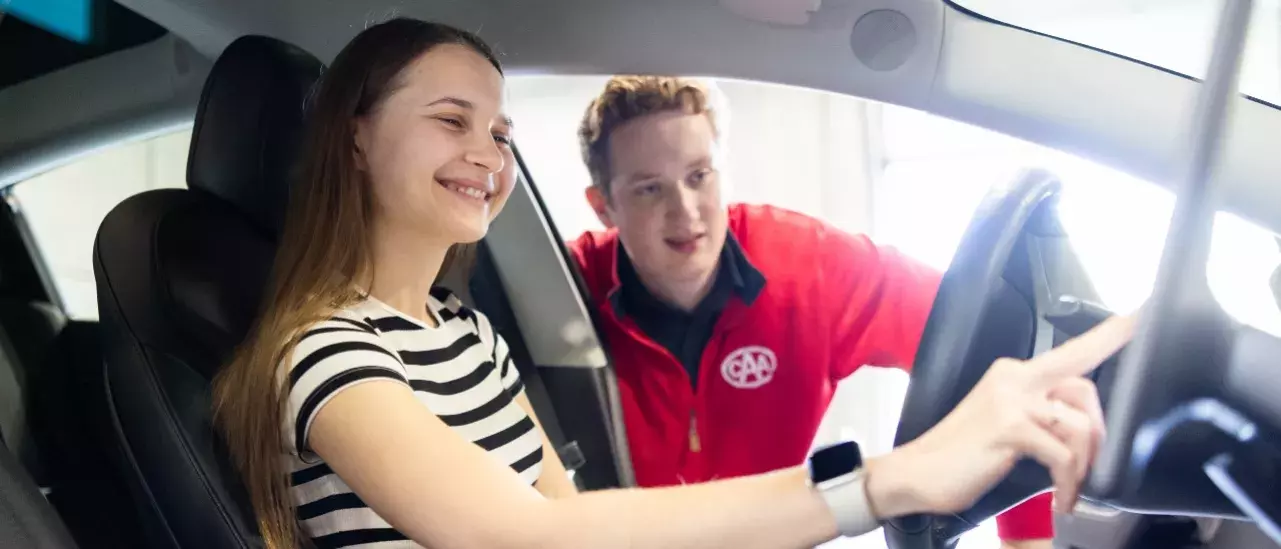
<point>1194,443</point>
<point>989,272</point>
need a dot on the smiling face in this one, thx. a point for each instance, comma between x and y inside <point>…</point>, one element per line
<point>437,150</point>
<point>665,198</point>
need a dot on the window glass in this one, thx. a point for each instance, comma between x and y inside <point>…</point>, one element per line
<point>64,207</point>
<point>911,180</point>
<point>937,170</point>
<point>1174,34</point>
<point>785,146</point>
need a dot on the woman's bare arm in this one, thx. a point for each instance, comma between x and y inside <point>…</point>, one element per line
<point>554,482</point>
<point>446,493</point>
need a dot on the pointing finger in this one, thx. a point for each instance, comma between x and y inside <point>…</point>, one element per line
<point>1082,354</point>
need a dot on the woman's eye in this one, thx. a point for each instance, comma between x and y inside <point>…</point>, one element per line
<point>504,140</point>
<point>647,189</point>
<point>453,122</point>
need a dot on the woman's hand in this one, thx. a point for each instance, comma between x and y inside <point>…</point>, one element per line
<point>1040,408</point>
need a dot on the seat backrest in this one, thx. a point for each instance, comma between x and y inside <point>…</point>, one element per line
<point>26,519</point>
<point>89,493</point>
<point>179,275</point>
<point>15,436</point>
<point>29,322</point>
<point>28,325</point>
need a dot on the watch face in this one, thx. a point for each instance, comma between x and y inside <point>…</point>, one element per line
<point>835,460</point>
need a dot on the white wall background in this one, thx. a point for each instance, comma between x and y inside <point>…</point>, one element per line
<point>64,206</point>
<point>790,147</point>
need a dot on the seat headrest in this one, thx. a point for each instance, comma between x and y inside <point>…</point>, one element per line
<point>249,123</point>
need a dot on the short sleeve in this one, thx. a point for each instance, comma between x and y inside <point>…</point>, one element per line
<point>330,357</point>
<point>502,356</point>
<point>1032,519</point>
<point>879,302</point>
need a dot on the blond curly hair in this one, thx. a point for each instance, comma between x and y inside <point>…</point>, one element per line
<point>628,97</point>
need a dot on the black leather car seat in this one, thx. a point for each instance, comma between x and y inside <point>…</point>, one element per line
<point>29,322</point>
<point>179,275</point>
<point>26,519</point>
<point>44,358</point>
<point>89,493</point>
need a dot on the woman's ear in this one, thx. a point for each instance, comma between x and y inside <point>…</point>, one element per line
<point>360,133</point>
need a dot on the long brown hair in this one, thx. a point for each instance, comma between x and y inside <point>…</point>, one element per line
<point>323,256</point>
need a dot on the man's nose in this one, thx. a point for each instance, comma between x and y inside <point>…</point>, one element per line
<point>685,205</point>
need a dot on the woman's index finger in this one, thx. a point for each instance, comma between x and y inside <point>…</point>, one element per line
<point>1082,354</point>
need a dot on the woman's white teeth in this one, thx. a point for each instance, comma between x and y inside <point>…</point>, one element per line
<point>470,191</point>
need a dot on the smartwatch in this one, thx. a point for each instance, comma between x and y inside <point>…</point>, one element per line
<point>836,472</point>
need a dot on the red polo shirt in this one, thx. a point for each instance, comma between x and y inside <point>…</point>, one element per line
<point>831,303</point>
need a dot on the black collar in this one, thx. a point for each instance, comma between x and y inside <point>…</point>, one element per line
<point>735,276</point>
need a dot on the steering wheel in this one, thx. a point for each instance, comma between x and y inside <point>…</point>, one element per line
<point>995,301</point>
<point>1202,439</point>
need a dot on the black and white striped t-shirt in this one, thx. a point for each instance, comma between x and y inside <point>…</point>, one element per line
<point>461,370</point>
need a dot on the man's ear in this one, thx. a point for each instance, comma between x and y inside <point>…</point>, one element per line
<point>600,204</point>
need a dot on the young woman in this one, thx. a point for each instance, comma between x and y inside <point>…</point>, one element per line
<point>367,407</point>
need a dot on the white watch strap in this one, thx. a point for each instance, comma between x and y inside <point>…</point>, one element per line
<point>846,497</point>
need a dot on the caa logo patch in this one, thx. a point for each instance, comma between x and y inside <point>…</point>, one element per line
<point>749,367</point>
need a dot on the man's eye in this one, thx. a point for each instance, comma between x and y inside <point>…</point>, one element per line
<point>700,176</point>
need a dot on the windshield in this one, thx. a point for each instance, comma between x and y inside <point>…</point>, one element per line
<point>1173,34</point>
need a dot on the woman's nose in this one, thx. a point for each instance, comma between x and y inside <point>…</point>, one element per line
<point>483,151</point>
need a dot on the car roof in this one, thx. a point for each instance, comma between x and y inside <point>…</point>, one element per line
<point>925,54</point>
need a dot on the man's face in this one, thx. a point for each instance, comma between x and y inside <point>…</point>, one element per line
<point>665,197</point>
